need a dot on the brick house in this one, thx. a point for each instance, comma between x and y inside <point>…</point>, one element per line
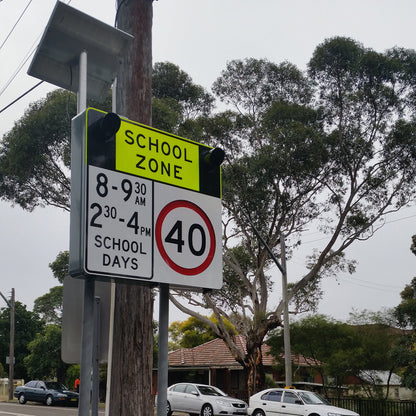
<point>212,363</point>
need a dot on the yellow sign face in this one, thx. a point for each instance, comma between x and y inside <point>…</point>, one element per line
<point>155,155</point>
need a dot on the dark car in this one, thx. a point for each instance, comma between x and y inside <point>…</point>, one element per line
<point>48,392</point>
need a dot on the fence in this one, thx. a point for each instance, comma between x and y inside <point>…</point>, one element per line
<point>4,386</point>
<point>369,407</point>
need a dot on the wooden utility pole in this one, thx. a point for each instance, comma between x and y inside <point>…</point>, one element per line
<point>11,348</point>
<point>11,306</point>
<point>131,372</point>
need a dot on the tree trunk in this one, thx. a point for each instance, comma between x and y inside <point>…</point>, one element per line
<point>255,370</point>
<point>131,374</point>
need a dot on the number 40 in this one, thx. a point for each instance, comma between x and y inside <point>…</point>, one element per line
<point>175,236</point>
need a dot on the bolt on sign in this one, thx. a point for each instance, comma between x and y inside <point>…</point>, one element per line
<point>145,204</point>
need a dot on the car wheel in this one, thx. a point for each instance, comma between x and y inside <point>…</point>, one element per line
<point>49,400</point>
<point>22,399</point>
<point>168,410</point>
<point>207,410</point>
<point>258,413</point>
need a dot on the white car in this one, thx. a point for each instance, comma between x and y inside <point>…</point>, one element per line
<point>202,400</point>
<point>281,402</point>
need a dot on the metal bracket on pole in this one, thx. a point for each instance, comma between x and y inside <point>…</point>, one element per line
<point>82,91</point>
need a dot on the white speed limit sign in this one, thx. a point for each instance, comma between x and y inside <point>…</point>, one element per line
<point>188,237</point>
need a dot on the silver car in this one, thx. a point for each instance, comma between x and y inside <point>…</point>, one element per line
<point>272,402</point>
<point>202,400</point>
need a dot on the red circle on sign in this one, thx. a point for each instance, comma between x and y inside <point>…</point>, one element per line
<point>158,235</point>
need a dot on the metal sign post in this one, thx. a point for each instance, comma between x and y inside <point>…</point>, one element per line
<point>162,374</point>
<point>87,341</point>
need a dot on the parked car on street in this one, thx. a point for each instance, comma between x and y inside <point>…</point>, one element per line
<point>202,400</point>
<point>48,392</point>
<point>272,402</point>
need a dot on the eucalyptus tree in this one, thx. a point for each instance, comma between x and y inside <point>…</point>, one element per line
<point>171,83</point>
<point>35,154</point>
<point>333,149</point>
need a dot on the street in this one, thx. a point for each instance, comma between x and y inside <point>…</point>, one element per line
<point>15,409</point>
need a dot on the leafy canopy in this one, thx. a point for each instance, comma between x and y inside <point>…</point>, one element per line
<point>27,325</point>
<point>44,358</point>
<point>337,350</point>
<point>192,332</point>
<point>332,150</point>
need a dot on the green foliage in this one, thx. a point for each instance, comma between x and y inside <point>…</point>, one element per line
<point>251,85</point>
<point>406,311</point>
<point>49,306</point>
<point>166,114</point>
<point>44,359</point>
<point>337,350</point>
<point>27,325</point>
<point>404,356</point>
<point>384,317</point>
<point>72,373</point>
<point>35,154</point>
<point>192,332</point>
<point>60,265</point>
<point>170,83</point>
<point>3,374</point>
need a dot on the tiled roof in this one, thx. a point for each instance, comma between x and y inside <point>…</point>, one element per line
<point>216,353</point>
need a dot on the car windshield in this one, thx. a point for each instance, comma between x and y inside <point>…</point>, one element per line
<point>221,393</point>
<point>209,391</point>
<point>53,385</point>
<point>311,398</point>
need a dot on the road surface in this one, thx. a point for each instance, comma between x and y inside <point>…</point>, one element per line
<point>29,409</point>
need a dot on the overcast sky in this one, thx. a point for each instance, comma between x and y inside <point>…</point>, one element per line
<point>201,36</point>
